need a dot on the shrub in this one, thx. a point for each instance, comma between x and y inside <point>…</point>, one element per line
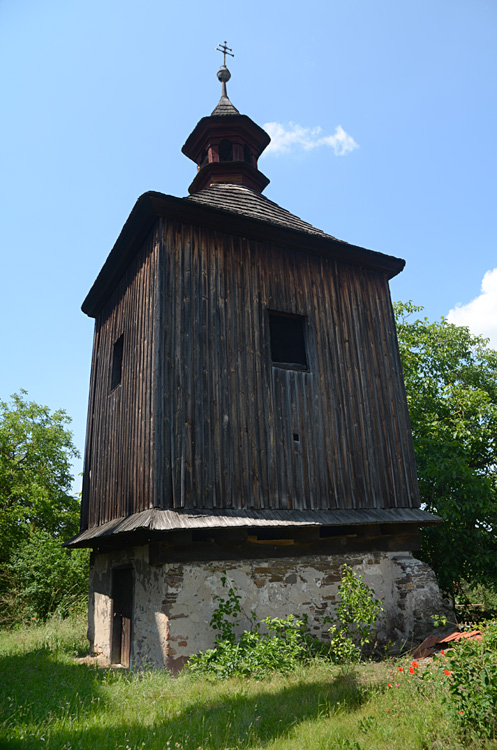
<point>352,623</point>
<point>280,645</point>
<point>226,616</point>
<point>43,579</point>
<point>476,601</point>
<point>271,645</point>
<point>472,682</point>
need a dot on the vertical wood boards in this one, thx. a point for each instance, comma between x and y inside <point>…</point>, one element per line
<point>203,419</point>
<point>243,433</point>
<point>120,456</point>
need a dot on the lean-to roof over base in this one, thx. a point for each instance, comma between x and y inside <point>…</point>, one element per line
<point>156,521</point>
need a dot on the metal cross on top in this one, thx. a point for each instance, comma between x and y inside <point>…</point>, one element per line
<point>225,50</point>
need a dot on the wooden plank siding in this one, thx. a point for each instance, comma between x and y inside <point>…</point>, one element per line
<point>120,455</point>
<point>230,416</point>
<point>202,418</point>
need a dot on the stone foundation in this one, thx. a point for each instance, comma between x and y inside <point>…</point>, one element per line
<point>173,602</point>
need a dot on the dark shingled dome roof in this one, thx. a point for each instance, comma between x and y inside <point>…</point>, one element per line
<point>239,199</point>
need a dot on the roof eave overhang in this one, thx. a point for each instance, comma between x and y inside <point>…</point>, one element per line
<point>152,206</point>
<point>229,171</point>
<point>220,125</point>
<point>149,524</point>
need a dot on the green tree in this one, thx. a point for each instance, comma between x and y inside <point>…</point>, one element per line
<point>36,449</point>
<point>37,513</point>
<point>451,385</point>
<point>42,578</point>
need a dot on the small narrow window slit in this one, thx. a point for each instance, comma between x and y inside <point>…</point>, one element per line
<point>225,150</point>
<point>117,363</point>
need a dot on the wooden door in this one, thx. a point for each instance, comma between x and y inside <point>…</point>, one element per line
<point>122,607</point>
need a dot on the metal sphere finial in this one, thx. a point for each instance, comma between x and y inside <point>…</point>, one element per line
<point>223,74</point>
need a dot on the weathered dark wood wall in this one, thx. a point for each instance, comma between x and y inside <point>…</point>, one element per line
<point>120,459</point>
<point>202,419</point>
<point>226,436</point>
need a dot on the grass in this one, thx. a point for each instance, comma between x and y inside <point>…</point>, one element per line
<point>50,700</point>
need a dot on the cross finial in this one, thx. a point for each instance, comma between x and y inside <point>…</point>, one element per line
<point>223,73</point>
<point>225,50</point>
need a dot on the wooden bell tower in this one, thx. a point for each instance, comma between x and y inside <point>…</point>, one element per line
<point>247,412</point>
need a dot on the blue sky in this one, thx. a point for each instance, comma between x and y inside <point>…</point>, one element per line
<point>99,97</point>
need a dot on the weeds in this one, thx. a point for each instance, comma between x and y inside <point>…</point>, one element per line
<point>352,624</point>
<point>282,644</point>
<point>272,645</point>
<point>472,683</point>
<point>49,700</point>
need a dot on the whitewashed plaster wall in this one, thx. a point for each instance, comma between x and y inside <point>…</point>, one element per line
<point>174,602</point>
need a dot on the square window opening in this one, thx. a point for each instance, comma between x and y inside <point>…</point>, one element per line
<point>287,333</point>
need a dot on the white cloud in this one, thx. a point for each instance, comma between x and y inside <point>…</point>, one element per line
<point>480,315</point>
<point>285,139</point>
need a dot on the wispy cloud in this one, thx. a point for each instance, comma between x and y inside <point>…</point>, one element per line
<point>480,315</point>
<point>294,137</point>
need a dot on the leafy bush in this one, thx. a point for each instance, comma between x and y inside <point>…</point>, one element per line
<point>352,624</point>
<point>271,645</point>
<point>43,579</point>
<point>225,617</point>
<point>280,645</point>
<point>472,673</point>
<point>477,598</point>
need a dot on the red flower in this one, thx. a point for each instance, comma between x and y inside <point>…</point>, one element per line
<point>447,672</point>
<point>414,664</point>
<point>389,684</point>
<point>442,652</point>
<point>411,670</point>
<point>401,669</point>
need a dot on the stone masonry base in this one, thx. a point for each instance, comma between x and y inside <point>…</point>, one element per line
<point>172,603</point>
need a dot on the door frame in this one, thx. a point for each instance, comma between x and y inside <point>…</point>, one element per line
<point>122,606</point>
